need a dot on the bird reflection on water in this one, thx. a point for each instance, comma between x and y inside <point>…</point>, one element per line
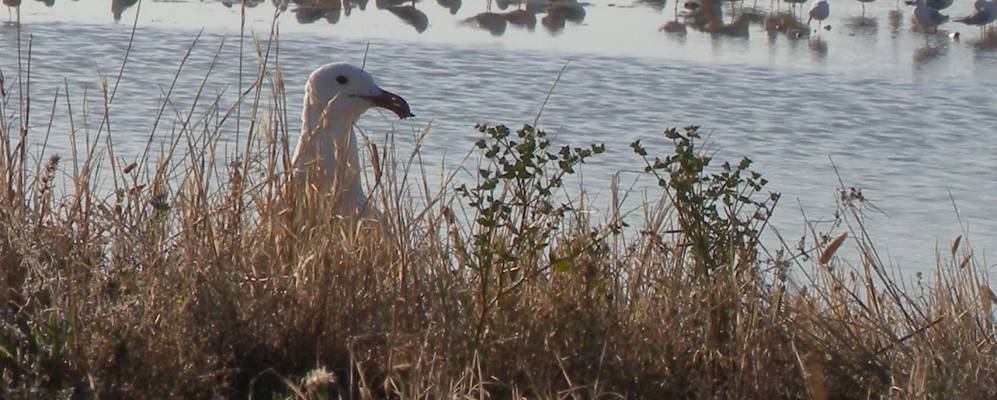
<point>556,15</point>
<point>928,53</point>
<point>788,24</point>
<point>118,7</point>
<point>11,4</point>
<point>862,25</point>
<point>406,11</point>
<point>452,5</point>
<point>818,47</point>
<point>411,16</point>
<point>492,22</point>
<point>310,12</point>
<point>895,19</point>
<point>522,18</point>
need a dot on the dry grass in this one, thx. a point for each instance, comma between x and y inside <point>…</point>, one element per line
<point>192,277</point>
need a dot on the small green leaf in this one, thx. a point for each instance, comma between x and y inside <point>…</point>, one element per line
<point>561,265</point>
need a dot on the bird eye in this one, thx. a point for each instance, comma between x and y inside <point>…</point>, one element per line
<point>342,79</point>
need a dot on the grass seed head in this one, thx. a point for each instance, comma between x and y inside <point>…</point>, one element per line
<point>832,247</point>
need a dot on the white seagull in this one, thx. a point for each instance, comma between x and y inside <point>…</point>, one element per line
<point>336,95</point>
<point>819,11</point>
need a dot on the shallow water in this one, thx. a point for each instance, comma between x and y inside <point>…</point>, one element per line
<point>908,123</point>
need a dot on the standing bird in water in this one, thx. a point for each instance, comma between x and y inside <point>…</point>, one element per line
<point>819,11</point>
<point>11,4</point>
<point>984,14</point>
<point>867,1</point>
<point>928,17</point>
<point>326,158</point>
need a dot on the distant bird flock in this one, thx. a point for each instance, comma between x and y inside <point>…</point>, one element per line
<point>702,15</point>
<point>927,16</point>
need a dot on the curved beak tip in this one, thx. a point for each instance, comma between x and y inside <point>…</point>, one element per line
<point>393,102</point>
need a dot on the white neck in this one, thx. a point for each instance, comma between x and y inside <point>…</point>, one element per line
<point>326,154</point>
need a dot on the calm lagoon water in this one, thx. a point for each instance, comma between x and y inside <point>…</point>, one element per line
<point>909,120</point>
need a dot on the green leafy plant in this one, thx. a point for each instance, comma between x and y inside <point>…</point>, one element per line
<point>719,220</point>
<point>718,212</point>
<point>517,211</point>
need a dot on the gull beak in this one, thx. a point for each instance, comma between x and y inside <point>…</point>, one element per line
<point>392,102</point>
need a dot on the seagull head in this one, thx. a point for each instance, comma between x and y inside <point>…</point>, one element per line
<point>347,92</point>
